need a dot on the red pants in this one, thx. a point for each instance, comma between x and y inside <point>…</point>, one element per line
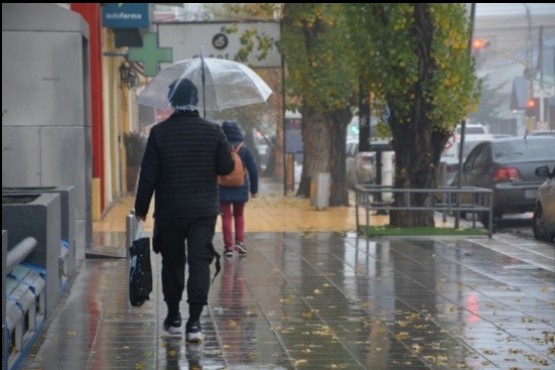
<point>236,215</point>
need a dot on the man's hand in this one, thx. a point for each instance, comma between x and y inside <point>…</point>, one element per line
<point>141,217</point>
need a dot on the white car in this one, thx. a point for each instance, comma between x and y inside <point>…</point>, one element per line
<point>361,166</point>
<point>363,169</point>
<point>471,129</point>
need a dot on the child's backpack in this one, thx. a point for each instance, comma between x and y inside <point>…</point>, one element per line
<point>237,177</point>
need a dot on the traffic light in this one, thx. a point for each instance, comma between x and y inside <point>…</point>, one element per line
<point>533,108</point>
<point>479,43</point>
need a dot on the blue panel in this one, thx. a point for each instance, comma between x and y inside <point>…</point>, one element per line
<point>125,15</point>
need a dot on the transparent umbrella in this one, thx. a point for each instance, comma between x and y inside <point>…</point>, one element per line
<point>222,84</point>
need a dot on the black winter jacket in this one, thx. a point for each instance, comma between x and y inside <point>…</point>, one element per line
<point>183,156</point>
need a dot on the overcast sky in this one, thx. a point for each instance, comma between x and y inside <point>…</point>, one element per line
<point>513,8</point>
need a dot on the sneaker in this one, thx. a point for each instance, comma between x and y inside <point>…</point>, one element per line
<point>193,332</point>
<point>172,324</point>
<point>228,252</point>
<point>240,248</point>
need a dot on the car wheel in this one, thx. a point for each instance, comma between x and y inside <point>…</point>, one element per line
<point>537,223</point>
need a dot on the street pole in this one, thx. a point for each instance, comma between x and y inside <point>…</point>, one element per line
<point>363,119</point>
<point>528,72</point>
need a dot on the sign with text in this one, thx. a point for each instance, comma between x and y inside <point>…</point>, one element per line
<point>125,15</point>
<point>188,39</point>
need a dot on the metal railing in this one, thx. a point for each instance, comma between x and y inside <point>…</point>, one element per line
<point>443,199</point>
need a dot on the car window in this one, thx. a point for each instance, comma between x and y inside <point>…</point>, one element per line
<point>517,150</point>
<point>471,130</point>
<point>543,132</point>
<point>474,130</point>
<point>481,159</point>
<point>540,148</point>
<point>469,163</point>
<point>508,151</point>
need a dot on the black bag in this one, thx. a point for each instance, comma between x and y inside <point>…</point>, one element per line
<point>140,271</point>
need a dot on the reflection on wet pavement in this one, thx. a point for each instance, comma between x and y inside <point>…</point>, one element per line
<point>323,301</point>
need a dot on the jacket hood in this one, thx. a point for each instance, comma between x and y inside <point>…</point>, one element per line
<point>233,131</point>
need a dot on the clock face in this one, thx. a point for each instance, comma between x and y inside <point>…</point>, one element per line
<point>220,41</point>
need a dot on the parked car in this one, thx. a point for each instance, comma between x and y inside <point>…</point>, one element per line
<point>544,214</point>
<point>449,161</point>
<point>543,132</point>
<point>351,149</point>
<point>474,133</point>
<point>361,166</point>
<point>471,129</point>
<point>507,166</point>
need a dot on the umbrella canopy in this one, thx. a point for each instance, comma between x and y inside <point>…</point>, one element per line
<point>222,84</point>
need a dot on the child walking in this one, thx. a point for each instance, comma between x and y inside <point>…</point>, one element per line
<point>233,199</point>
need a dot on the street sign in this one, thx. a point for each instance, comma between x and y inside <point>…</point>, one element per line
<point>293,136</point>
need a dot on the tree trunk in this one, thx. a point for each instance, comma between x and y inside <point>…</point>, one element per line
<point>324,136</point>
<point>339,189</point>
<point>316,129</point>
<point>417,146</point>
<point>415,168</point>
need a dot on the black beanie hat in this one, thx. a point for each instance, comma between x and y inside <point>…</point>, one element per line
<point>184,94</point>
<point>233,131</point>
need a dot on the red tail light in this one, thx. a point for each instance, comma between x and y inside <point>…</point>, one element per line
<point>506,174</point>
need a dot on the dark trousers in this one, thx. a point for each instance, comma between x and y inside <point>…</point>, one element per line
<point>186,241</point>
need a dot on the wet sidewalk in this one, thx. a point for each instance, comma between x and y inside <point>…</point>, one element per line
<point>323,300</point>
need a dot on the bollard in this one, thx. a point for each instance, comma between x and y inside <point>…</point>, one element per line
<point>320,190</point>
<point>131,225</point>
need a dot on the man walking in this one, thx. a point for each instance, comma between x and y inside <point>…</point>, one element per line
<point>183,157</point>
